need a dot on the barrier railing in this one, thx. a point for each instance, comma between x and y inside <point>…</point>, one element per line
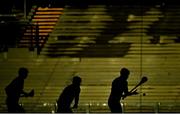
<point>150,107</point>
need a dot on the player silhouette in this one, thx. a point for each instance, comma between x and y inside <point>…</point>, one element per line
<point>119,90</point>
<point>15,90</point>
<point>70,93</point>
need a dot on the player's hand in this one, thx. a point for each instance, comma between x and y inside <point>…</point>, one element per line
<point>75,106</point>
<point>31,93</point>
<point>25,95</point>
<point>129,94</point>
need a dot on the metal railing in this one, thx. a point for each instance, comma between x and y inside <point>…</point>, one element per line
<point>102,108</point>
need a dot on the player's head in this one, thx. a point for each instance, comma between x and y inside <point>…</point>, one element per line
<point>23,72</point>
<point>76,80</point>
<point>124,73</point>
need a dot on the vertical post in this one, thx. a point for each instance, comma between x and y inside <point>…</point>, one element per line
<point>123,107</point>
<point>25,9</point>
<point>88,108</point>
<point>141,57</point>
<point>55,108</point>
<point>37,39</point>
<point>31,48</point>
<point>157,105</point>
